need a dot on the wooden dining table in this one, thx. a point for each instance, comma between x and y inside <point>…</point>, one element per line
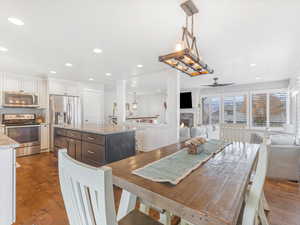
<point>213,194</point>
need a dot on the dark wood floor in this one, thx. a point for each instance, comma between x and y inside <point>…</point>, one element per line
<point>39,200</point>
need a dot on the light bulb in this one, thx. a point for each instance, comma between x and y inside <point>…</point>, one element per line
<point>179,46</point>
<point>134,105</point>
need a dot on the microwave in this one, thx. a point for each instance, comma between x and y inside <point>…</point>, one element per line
<point>20,99</point>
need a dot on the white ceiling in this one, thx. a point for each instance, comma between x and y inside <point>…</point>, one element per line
<point>232,35</point>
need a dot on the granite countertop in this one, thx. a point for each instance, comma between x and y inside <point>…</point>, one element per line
<point>96,129</point>
<point>6,142</point>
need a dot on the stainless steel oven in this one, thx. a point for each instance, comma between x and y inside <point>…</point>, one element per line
<point>23,129</point>
<point>20,99</point>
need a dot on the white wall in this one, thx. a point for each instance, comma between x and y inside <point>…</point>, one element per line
<point>148,104</point>
<point>151,105</point>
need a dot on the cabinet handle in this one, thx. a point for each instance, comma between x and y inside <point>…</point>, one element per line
<point>91,152</point>
<point>90,138</point>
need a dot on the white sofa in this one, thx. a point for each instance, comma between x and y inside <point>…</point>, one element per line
<point>284,158</point>
<point>284,162</point>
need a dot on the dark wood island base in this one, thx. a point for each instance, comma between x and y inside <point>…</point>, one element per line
<point>95,149</point>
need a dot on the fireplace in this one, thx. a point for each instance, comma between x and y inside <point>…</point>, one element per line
<point>187,119</point>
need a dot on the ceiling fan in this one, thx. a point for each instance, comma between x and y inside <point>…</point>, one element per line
<point>216,84</point>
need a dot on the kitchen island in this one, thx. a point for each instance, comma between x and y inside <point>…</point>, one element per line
<point>95,145</point>
<point>8,180</point>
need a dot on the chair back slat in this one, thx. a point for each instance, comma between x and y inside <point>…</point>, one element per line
<point>69,200</point>
<point>87,192</point>
<point>95,206</point>
<point>86,204</point>
<point>256,189</point>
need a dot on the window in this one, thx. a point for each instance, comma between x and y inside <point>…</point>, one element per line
<point>269,109</point>
<point>205,110</point>
<point>215,110</point>
<point>228,109</point>
<point>211,110</point>
<point>235,109</point>
<point>259,110</point>
<point>241,109</point>
<point>278,109</point>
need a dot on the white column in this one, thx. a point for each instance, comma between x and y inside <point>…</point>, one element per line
<point>121,101</point>
<point>173,110</point>
<point>297,96</point>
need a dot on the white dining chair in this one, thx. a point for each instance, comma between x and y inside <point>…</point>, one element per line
<point>253,212</point>
<point>234,133</point>
<point>254,206</point>
<point>88,195</point>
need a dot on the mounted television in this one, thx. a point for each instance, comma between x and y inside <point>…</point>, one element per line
<point>186,100</point>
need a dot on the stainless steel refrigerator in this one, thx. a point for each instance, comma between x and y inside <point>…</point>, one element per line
<point>65,111</point>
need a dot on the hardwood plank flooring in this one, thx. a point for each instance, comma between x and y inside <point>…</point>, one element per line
<point>39,200</point>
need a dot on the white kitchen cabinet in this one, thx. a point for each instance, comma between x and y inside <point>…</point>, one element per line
<point>11,83</point>
<point>72,89</point>
<point>8,186</point>
<point>63,87</point>
<point>43,94</point>
<point>29,85</point>
<point>18,83</point>
<point>44,137</point>
<point>93,108</point>
<point>1,88</point>
<point>56,87</point>
<point>2,129</point>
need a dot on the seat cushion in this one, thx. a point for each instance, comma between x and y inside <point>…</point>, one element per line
<point>137,218</point>
<point>282,139</point>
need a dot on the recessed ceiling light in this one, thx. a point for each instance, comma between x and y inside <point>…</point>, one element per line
<point>91,79</point>
<point>97,50</point>
<point>108,74</point>
<point>258,78</point>
<point>252,64</point>
<point>139,65</point>
<point>3,49</point>
<point>15,21</point>
<point>53,72</point>
<point>69,64</point>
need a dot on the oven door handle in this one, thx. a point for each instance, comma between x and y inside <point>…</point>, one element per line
<point>8,127</point>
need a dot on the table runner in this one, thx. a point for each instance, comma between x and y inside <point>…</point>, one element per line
<point>178,165</point>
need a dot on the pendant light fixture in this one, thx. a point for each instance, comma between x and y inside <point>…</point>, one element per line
<point>134,104</point>
<point>186,57</point>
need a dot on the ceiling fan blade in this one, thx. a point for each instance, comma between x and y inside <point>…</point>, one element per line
<point>225,84</point>
<point>209,85</point>
<point>218,85</point>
